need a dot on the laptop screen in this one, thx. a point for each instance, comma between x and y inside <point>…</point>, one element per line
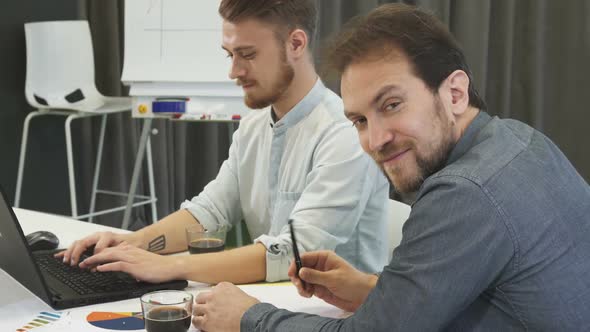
<point>15,257</point>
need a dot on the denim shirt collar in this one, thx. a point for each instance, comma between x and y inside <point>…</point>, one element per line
<point>466,141</point>
<point>300,110</point>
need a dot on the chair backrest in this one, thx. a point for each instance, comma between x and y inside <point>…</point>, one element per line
<point>398,214</point>
<point>60,66</point>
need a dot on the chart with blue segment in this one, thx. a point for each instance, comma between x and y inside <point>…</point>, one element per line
<point>119,321</point>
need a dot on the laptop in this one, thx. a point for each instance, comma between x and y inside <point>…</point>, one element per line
<point>58,284</point>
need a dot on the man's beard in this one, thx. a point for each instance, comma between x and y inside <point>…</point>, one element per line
<point>285,77</point>
<point>434,161</point>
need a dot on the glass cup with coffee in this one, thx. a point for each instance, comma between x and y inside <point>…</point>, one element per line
<point>167,311</point>
<point>201,241</point>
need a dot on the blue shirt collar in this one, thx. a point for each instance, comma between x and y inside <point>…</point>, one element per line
<point>301,109</point>
<point>466,141</point>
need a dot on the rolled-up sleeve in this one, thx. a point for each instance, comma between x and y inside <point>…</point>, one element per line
<point>219,202</point>
<point>327,212</point>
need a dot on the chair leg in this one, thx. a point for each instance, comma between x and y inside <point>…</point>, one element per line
<point>147,123</point>
<point>70,157</point>
<point>23,154</point>
<point>150,167</point>
<point>97,168</point>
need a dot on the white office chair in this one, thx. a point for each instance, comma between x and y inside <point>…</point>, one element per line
<point>60,81</point>
<point>398,214</point>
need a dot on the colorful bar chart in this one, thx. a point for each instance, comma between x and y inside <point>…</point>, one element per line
<point>42,319</point>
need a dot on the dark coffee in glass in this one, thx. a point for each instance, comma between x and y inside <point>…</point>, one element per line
<point>167,319</point>
<point>167,310</point>
<point>205,245</point>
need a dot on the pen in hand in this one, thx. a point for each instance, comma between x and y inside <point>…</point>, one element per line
<point>296,252</point>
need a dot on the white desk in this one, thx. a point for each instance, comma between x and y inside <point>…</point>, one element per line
<point>18,306</point>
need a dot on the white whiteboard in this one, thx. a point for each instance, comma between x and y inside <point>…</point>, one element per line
<point>174,41</point>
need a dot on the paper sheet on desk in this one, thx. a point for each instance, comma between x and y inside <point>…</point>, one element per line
<point>282,295</point>
<point>285,296</point>
<point>77,319</point>
<point>95,318</point>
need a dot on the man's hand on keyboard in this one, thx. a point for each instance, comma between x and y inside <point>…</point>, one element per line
<point>141,264</point>
<point>100,241</point>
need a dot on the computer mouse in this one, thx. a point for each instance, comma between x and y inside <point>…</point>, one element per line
<point>42,240</point>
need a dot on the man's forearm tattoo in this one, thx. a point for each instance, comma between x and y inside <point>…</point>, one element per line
<point>157,244</point>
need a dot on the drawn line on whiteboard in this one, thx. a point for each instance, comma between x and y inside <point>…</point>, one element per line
<point>161,32</point>
<point>152,29</point>
<point>152,5</point>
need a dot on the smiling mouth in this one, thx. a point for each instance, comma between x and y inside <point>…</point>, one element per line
<point>394,158</point>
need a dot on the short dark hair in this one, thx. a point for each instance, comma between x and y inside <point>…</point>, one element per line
<point>430,47</point>
<point>288,14</point>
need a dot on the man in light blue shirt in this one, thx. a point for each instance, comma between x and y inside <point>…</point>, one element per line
<point>297,159</point>
<point>297,168</point>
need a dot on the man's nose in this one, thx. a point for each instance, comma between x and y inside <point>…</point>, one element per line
<point>379,135</point>
<point>236,70</point>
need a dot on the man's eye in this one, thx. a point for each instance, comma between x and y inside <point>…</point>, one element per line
<point>229,55</point>
<point>249,56</point>
<point>359,123</point>
<point>391,106</point>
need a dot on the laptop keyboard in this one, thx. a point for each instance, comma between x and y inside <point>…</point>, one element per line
<point>83,281</point>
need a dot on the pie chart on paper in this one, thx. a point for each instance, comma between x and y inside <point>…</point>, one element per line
<point>118,321</point>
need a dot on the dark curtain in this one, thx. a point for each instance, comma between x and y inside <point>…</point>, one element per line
<point>529,59</point>
<point>45,186</point>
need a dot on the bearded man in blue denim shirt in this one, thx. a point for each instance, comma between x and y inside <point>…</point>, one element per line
<point>498,238</point>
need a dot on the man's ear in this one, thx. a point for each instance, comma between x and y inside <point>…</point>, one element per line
<point>297,43</point>
<point>457,87</point>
